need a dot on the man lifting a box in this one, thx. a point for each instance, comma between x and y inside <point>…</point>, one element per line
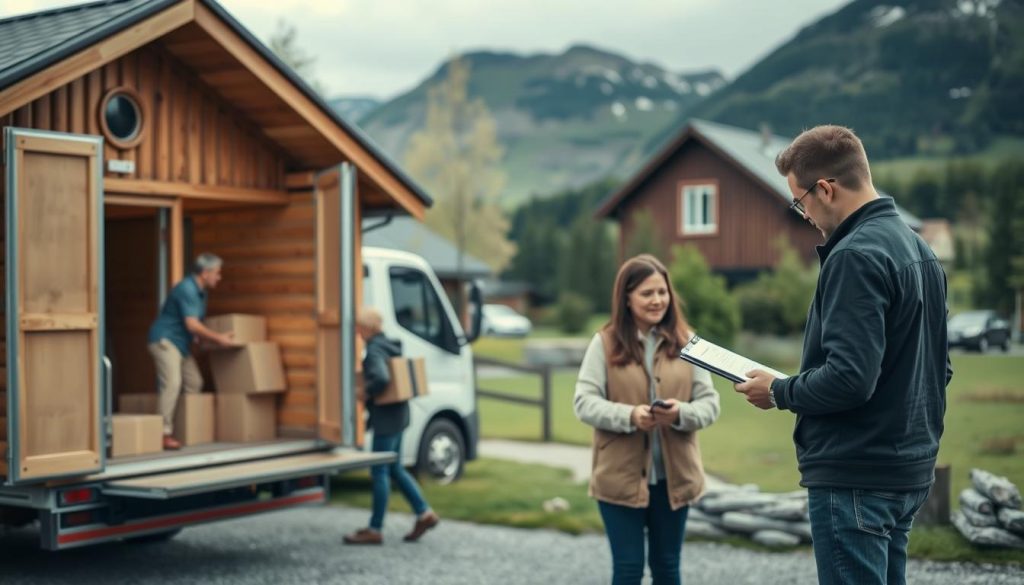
<point>179,323</point>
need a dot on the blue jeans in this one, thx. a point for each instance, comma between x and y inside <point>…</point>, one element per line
<point>665,528</point>
<point>860,536</point>
<point>381,475</point>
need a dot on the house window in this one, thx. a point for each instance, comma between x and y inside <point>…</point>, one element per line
<point>698,209</point>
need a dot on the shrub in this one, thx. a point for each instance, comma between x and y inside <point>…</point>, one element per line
<point>706,302</point>
<point>573,312</point>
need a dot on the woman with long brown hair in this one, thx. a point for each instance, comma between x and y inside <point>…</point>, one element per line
<point>645,405</point>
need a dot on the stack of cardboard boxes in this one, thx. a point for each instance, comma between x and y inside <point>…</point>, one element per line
<point>248,379</point>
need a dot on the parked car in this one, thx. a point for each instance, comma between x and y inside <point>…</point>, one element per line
<point>979,330</point>
<point>504,321</point>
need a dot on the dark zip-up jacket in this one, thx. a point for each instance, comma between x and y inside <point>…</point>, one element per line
<point>871,393</point>
<point>386,419</point>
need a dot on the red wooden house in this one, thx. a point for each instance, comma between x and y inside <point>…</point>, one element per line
<point>716,187</point>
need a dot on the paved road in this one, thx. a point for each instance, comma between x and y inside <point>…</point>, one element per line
<point>303,547</point>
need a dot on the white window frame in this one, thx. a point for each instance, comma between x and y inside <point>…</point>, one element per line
<point>698,208</point>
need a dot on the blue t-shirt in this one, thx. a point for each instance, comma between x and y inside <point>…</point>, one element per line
<point>186,300</point>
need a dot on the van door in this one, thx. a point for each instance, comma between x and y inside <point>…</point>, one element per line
<point>54,277</point>
<point>335,195</point>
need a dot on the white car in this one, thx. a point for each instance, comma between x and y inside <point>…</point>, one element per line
<point>504,321</point>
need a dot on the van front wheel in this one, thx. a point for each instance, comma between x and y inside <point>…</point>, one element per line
<point>442,452</point>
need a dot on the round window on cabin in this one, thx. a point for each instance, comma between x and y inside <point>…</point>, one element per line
<point>122,118</point>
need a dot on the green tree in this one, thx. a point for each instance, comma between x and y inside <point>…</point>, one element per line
<point>536,262</point>
<point>708,305</point>
<point>284,43</point>
<point>644,236</point>
<point>1004,259</point>
<point>587,265</point>
<point>777,301</point>
<point>457,157</point>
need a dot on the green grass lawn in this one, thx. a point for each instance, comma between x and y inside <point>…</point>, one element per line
<point>984,416</point>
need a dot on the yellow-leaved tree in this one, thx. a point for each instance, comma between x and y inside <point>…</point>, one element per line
<point>456,158</point>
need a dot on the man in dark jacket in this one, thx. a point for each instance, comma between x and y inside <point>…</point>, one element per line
<point>871,392</point>
<point>387,421</point>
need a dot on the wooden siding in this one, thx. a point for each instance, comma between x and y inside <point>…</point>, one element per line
<point>269,258</point>
<point>190,134</point>
<point>750,217</point>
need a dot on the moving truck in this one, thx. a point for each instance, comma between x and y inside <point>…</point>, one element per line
<point>81,286</point>
<point>137,135</point>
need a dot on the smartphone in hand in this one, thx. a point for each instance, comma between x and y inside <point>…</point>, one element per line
<point>660,404</point>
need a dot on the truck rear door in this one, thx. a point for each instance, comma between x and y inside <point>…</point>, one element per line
<point>336,262</point>
<point>54,304</point>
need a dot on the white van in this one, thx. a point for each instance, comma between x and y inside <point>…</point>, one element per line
<point>444,425</point>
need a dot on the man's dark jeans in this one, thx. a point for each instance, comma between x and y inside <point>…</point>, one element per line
<point>860,536</point>
<point>665,529</point>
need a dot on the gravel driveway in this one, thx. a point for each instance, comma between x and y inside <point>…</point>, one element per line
<point>303,547</point>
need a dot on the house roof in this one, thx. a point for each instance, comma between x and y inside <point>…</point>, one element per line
<point>404,233</point>
<point>753,152</point>
<point>31,43</point>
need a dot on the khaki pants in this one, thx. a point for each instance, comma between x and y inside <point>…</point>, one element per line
<point>172,373</point>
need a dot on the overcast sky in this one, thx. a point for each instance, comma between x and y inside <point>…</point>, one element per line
<point>384,47</point>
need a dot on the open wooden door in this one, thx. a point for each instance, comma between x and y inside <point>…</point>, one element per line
<point>54,306</point>
<point>336,262</point>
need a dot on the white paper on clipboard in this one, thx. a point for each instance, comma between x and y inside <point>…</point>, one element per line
<point>721,361</point>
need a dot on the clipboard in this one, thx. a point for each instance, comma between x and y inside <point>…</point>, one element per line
<point>718,360</point>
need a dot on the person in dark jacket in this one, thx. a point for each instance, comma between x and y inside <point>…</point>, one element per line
<point>871,393</point>
<point>387,421</point>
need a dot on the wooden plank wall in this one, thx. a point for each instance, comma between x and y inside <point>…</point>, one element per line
<point>190,135</point>
<point>269,259</point>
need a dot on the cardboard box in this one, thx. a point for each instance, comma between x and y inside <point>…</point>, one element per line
<point>251,369</point>
<point>245,418</point>
<point>140,403</point>
<point>136,434</point>
<point>246,328</point>
<point>408,380</point>
<point>193,418</point>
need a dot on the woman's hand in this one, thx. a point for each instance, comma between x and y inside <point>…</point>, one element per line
<point>665,417</point>
<point>642,417</point>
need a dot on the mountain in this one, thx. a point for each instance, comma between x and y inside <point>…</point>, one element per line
<point>565,120</point>
<point>911,77</point>
<point>354,108</point>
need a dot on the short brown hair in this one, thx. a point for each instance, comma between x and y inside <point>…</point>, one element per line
<point>826,152</point>
<point>672,329</point>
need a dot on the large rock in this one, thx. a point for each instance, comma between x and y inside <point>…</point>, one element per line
<point>986,536</point>
<point>996,488</point>
<point>555,352</point>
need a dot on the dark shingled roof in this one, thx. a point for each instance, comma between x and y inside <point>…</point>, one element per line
<point>32,42</point>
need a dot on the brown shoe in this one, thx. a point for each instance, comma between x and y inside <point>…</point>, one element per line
<point>171,444</point>
<point>423,524</point>
<point>364,536</point>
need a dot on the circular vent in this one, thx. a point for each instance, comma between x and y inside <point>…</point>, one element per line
<point>121,117</point>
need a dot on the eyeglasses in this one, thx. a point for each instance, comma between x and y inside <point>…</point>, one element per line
<point>797,206</point>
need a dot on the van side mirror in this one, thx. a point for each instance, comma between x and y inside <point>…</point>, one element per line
<point>475,308</point>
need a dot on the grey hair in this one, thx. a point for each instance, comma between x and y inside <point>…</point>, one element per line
<point>207,261</point>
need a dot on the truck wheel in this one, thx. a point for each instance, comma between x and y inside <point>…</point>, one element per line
<point>155,537</point>
<point>983,344</point>
<point>442,452</point>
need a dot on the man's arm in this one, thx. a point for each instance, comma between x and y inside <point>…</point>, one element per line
<point>197,329</point>
<point>855,295</point>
